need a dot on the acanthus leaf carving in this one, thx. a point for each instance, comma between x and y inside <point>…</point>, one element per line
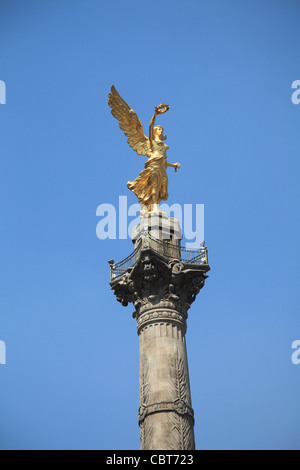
<point>154,282</point>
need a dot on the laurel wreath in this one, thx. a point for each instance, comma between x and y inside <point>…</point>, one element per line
<point>162,108</point>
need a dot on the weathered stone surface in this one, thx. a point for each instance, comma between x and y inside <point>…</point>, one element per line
<point>162,291</point>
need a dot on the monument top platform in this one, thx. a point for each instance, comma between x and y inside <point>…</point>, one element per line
<point>160,226</point>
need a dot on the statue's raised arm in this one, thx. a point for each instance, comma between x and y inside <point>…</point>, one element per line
<point>160,109</point>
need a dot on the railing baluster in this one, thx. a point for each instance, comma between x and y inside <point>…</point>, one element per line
<point>168,249</point>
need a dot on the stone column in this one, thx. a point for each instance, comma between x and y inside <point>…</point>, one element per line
<point>166,417</point>
<point>162,288</point>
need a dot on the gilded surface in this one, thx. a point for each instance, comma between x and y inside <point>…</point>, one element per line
<point>151,186</point>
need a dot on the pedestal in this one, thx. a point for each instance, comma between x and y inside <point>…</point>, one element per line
<point>162,287</point>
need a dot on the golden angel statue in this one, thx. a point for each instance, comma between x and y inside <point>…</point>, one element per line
<point>151,186</point>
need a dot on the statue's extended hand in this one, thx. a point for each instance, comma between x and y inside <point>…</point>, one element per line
<point>176,166</point>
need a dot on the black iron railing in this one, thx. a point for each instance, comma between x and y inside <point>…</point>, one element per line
<point>175,251</point>
<point>162,247</point>
<point>118,269</point>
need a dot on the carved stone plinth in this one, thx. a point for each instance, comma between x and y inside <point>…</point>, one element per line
<point>162,291</point>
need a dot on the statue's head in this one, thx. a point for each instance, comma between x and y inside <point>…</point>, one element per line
<point>159,132</point>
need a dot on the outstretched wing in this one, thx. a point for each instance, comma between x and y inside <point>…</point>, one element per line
<point>129,123</point>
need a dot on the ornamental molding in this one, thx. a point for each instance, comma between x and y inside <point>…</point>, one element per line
<point>161,316</point>
<point>177,406</point>
<point>153,283</point>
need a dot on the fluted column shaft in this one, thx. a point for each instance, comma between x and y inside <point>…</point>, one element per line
<point>166,417</point>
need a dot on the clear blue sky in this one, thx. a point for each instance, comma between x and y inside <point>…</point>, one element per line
<point>226,69</point>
